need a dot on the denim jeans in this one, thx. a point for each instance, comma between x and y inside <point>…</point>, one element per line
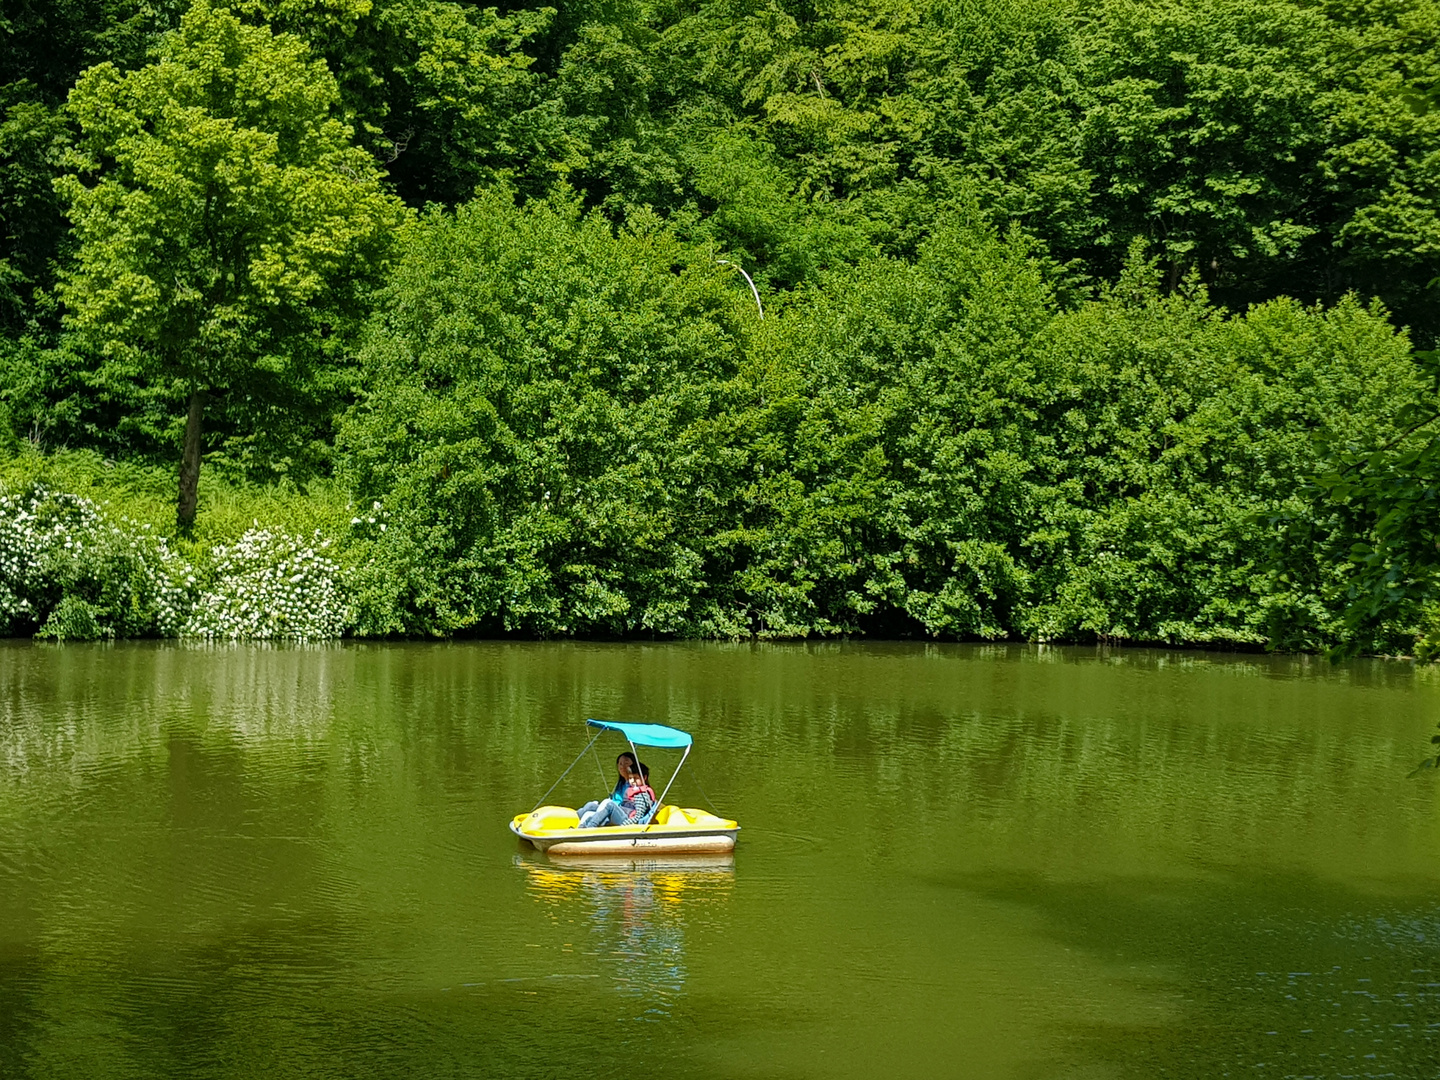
<point>608,812</point>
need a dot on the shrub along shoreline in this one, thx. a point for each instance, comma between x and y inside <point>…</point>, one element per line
<point>568,430</point>
<point>78,568</point>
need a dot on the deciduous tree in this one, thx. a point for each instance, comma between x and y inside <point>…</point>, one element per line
<point>225,222</point>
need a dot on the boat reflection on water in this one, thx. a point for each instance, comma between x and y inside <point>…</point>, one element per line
<point>638,912</point>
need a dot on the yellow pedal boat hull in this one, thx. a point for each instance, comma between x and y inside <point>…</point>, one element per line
<point>556,830</point>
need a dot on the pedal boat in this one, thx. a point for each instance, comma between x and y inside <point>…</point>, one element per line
<point>556,830</point>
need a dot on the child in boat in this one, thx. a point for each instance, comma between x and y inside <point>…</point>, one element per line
<point>624,766</point>
<point>642,795</point>
<point>633,809</point>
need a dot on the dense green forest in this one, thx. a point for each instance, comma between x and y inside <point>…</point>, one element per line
<point>1059,320</point>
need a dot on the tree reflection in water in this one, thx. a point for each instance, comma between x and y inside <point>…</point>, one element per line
<point>637,911</point>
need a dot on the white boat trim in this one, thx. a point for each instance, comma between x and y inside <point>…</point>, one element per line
<point>604,841</point>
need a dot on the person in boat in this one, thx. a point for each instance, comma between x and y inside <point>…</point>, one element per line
<point>624,766</point>
<point>632,809</point>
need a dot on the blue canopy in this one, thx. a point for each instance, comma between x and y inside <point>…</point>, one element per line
<point>645,734</point>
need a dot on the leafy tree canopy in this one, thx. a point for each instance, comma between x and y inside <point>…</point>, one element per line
<point>224,222</point>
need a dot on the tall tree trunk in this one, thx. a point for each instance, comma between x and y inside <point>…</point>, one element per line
<point>190,463</point>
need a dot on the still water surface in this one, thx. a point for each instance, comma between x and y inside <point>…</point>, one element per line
<point>957,861</point>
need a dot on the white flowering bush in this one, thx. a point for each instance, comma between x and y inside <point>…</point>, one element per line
<point>270,585</point>
<point>67,571</point>
<point>371,524</point>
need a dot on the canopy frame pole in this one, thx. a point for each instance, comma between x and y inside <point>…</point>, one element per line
<point>661,801</point>
<point>635,752</point>
<point>598,765</point>
<point>567,771</point>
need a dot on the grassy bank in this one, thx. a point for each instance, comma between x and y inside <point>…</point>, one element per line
<point>144,493</point>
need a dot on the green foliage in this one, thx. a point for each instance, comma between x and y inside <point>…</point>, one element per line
<point>1069,327</point>
<point>1381,164</point>
<point>1201,127</point>
<point>225,201</point>
<point>1102,472</point>
<point>31,136</point>
<point>528,381</point>
<point>1278,149</point>
<point>67,569</point>
<point>43,49</point>
<point>144,494</point>
<point>1387,490</point>
<point>228,223</point>
<point>45,46</point>
<point>74,568</point>
<point>572,433</point>
<point>441,92</point>
<point>73,619</point>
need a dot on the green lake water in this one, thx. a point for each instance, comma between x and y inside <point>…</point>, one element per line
<point>956,861</point>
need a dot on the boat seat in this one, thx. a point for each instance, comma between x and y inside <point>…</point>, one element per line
<point>552,817</point>
<point>673,815</point>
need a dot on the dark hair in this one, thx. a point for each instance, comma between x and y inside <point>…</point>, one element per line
<point>621,757</point>
<point>645,771</point>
